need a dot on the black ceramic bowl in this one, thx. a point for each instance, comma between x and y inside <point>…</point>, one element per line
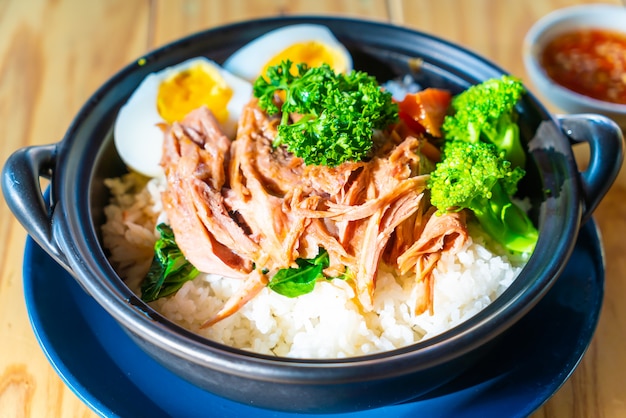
<point>67,225</point>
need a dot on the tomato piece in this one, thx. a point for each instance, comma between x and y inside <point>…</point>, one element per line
<point>414,126</point>
<point>425,109</point>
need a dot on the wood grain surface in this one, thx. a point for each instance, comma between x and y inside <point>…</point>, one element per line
<point>55,53</point>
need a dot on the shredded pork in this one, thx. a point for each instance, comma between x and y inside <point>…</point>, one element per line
<point>245,209</point>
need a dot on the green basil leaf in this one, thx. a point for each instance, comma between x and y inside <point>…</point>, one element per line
<point>293,282</point>
<point>169,269</point>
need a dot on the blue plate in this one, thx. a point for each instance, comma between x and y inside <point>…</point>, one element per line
<point>104,367</point>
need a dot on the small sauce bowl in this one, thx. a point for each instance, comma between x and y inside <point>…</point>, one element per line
<point>576,59</point>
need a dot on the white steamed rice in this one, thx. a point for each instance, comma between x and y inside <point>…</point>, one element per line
<point>323,324</point>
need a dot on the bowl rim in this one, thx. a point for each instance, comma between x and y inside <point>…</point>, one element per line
<point>546,28</point>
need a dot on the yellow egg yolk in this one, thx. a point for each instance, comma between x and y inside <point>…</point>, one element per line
<point>187,90</point>
<point>312,53</point>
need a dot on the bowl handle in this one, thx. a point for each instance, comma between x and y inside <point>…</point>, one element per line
<point>606,146</point>
<point>22,191</point>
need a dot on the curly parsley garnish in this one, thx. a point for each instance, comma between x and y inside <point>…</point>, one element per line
<point>338,112</point>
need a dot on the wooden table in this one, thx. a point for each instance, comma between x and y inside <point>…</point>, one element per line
<point>55,53</point>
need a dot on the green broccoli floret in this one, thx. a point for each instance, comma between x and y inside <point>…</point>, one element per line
<point>474,176</point>
<point>485,112</point>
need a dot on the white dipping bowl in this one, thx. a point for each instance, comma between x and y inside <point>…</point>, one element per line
<point>600,16</point>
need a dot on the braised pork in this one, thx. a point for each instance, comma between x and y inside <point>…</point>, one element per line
<point>247,209</point>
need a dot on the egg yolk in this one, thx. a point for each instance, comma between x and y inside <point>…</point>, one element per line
<point>312,53</point>
<point>189,89</point>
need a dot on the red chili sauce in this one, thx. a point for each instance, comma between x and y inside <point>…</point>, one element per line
<point>590,62</point>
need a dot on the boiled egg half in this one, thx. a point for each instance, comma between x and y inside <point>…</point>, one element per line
<point>166,97</point>
<point>304,43</point>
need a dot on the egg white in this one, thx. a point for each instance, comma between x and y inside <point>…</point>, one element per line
<point>249,61</point>
<point>137,137</point>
